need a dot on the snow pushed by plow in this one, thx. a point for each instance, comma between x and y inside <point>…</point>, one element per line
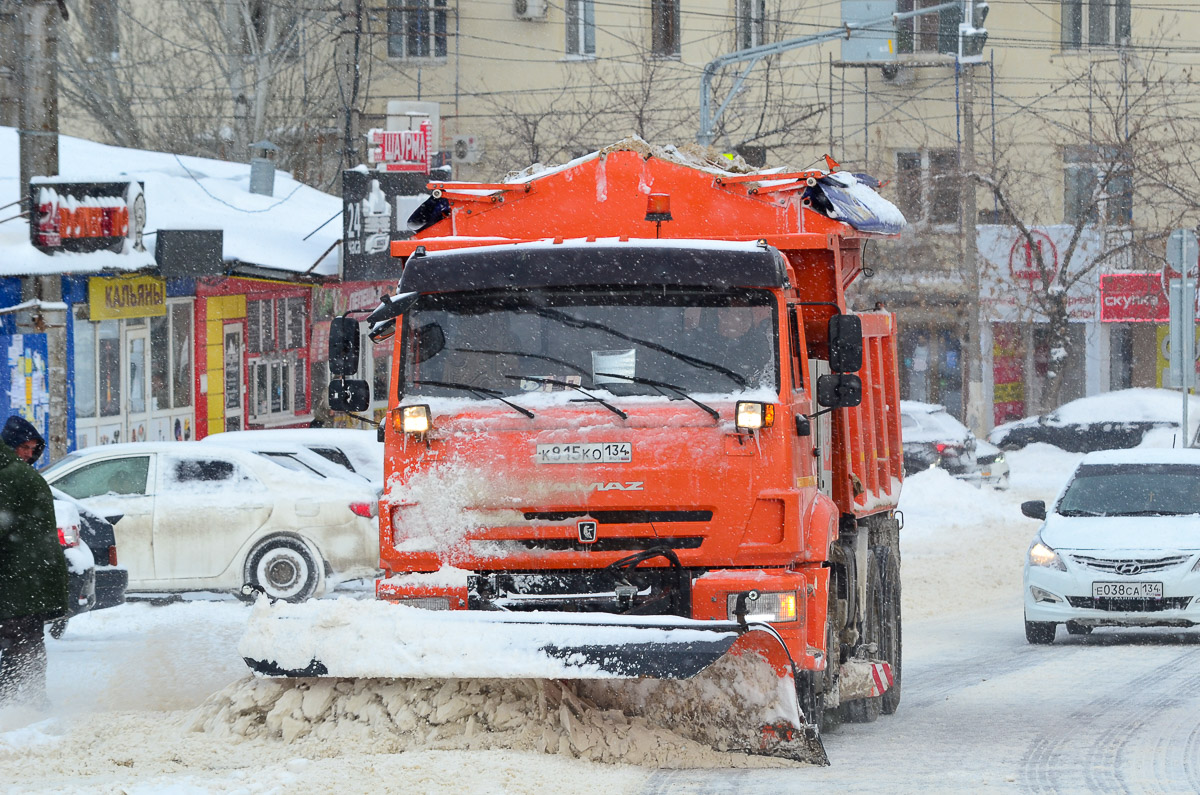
<point>708,721</point>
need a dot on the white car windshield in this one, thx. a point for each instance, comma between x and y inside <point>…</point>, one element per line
<point>1132,490</point>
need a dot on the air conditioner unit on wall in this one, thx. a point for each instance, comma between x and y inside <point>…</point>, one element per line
<point>466,149</point>
<point>529,9</point>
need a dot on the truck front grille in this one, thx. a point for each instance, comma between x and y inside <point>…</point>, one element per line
<point>622,517</point>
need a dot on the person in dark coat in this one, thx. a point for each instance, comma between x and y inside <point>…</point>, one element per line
<point>33,574</point>
<point>23,438</point>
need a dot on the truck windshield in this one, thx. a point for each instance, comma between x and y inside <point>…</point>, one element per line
<point>703,342</point>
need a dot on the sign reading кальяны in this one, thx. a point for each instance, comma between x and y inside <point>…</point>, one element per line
<point>125,297</point>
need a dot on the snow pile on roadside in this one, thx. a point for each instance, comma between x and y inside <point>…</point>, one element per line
<point>684,728</point>
<point>967,543</point>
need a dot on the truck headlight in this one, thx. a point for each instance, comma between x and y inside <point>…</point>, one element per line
<point>752,416</point>
<point>1042,555</point>
<point>412,419</point>
<point>776,608</point>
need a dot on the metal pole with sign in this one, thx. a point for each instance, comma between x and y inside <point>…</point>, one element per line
<point>1183,257</point>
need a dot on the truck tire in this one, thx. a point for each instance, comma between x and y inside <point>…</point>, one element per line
<point>284,569</point>
<point>890,645</point>
<point>810,692</point>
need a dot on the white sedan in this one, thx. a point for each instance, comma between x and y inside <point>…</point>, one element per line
<point>202,517</point>
<point>1120,547</point>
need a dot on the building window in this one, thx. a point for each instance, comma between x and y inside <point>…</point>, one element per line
<point>278,357</point>
<point>170,358</point>
<point>1095,23</point>
<point>928,186</point>
<point>751,23</point>
<point>581,27</point>
<point>923,33</point>
<point>1097,183</point>
<point>416,29</point>
<point>664,27</point>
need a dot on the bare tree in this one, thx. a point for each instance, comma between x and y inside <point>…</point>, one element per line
<point>1129,179</point>
<point>207,77</point>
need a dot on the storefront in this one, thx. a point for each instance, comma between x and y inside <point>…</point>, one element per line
<point>252,346</point>
<point>1134,311</point>
<point>130,343</point>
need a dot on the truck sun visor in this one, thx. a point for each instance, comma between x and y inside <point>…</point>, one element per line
<point>590,265</point>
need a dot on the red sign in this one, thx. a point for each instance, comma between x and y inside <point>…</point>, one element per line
<point>401,150</point>
<point>1022,257</point>
<point>1132,298</point>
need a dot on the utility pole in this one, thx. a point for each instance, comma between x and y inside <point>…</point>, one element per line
<point>37,86</point>
<point>975,408</point>
<point>349,76</point>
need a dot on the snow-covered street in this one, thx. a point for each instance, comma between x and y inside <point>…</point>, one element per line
<point>982,709</point>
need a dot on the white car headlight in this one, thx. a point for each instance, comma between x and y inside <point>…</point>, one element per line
<point>1042,555</point>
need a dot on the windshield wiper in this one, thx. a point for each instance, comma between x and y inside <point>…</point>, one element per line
<point>477,390</point>
<point>1147,512</point>
<point>569,385</point>
<point>1081,512</point>
<point>660,385</point>
<point>570,320</point>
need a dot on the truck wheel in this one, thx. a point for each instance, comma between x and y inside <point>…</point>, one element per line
<point>810,692</point>
<point>1040,633</point>
<point>284,569</point>
<point>890,647</point>
<point>58,628</point>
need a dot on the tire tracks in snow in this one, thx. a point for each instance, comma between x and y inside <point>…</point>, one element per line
<point>1144,738</point>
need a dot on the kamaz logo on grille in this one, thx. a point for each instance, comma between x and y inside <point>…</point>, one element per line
<point>1128,567</point>
<point>587,532</point>
<point>629,485</point>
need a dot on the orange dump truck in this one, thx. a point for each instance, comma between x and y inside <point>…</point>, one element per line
<point>633,422</point>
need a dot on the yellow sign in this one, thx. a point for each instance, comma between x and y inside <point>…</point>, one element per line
<point>124,297</point>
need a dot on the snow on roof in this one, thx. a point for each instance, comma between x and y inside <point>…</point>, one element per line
<point>1129,405</point>
<point>181,193</point>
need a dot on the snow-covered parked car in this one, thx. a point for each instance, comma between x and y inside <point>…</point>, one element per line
<point>360,452</point>
<point>291,455</point>
<point>1119,547</point>
<point>1113,420</point>
<point>993,466</point>
<point>933,438</point>
<point>81,571</point>
<point>206,517</point>
<point>97,533</point>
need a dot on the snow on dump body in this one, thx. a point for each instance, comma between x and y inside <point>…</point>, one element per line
<point>377,639</point>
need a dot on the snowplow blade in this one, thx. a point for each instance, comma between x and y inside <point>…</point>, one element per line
<point>350,638</point>
<point>659,668</point>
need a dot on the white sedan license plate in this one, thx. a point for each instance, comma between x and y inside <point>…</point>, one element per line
<point>585,453</point>
<point>1127,590</point>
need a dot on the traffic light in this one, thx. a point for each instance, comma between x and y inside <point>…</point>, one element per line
<point>972,34</point>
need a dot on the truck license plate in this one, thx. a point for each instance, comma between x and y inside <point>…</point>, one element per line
<point>585,453</point>
<point>1127,590</point>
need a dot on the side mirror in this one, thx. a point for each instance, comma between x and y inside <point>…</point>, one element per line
<point>343,346</point>
<point>839,391</point>
<point>1034,509</point>
<point>428,342</point>
<point>845,344</point>
<point>349,395</point>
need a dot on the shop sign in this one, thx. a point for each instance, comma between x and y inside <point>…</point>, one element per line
<point>1132,298</point>
<point>401,150</point>
<point>83,217</point>
<point>1010,285</point>
<point>125,297</point>
<point>375,210</point>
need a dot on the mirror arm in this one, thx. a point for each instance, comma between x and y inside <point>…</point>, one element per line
<point>822,411</point>
<point>361,418</point>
